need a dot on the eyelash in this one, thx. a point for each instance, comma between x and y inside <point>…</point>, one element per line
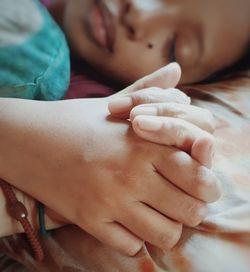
<point>127,7</point>
<point>171,53</point>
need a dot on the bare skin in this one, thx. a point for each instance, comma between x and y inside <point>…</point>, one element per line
<point>69,141</point>
<point>116,193</point>
<point>87,168</point>
<point>202,36</point>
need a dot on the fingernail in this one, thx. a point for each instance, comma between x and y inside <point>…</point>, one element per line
<point>149,124</point>
<point>143,111</point>
<point>121,104</point>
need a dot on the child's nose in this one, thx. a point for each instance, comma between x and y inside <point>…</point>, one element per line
<point>133,21</point>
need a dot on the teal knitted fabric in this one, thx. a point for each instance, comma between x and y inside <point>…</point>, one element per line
<point>34,56</point>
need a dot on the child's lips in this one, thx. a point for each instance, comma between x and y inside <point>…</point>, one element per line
<point>101,26</point>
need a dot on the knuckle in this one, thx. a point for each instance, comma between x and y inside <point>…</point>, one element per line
<point>208,187</point>
<point>130,180</point>
<point>207,118</point>
<point>170,239</point>
<point>146,96</point>
<point>142,83</point>
<point>180,131</point>
<point>208,113</point>
<point>133,249</point>
<point>178,95</point>
<point>180,159</point>
<point>109,203</point>
<point>196,213</point>
<point>210,122</point>
<point>204,180</point>
<point>164,109</point>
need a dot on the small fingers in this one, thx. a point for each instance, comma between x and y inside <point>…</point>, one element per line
<point>195,115</point>
<point>165,77</point>
<point>121,107</point>
<point>175,132</point>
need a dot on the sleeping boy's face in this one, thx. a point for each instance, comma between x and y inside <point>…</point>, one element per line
<point>128,39</point>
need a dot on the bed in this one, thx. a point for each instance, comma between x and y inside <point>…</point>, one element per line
<point>221,243</point>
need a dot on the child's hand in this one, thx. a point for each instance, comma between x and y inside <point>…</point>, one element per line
<point>121,106</point>
<point>149,89</point>
<point>181,122</point>
<point>175,132</point>
<point>165,77</point>
<point>183,126</point>
<point>200,117</point>
<point>171,103</point>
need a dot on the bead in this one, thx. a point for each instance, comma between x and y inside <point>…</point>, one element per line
<point>18,211</point>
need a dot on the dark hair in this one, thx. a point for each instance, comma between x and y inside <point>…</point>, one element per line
<point>241,65</point>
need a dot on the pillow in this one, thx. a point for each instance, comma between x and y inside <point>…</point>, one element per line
<point>34,55</point>
<point>85,82</point>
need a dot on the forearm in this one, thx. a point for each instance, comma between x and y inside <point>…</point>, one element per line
<point>26,136</point>
<point>42,146</point>
<point>19,127</point>
<point>17,119</point>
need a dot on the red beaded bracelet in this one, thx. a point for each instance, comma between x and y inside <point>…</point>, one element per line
<point>18,211</point>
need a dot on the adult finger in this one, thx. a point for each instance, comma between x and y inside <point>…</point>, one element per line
<point>122,106</point>
<point>198,116</point>
<point>151,226</point>
<point>176,132</point>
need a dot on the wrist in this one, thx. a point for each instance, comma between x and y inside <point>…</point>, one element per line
<point>53,220</point>
<point>10,226</point>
